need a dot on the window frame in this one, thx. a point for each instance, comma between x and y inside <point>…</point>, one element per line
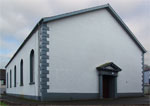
<point>10,78</point>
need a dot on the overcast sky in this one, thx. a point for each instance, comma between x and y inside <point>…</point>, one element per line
<point>18,17</point>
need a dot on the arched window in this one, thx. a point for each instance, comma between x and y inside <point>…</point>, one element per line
<point>15,76</point>
<point>32,67</point>
<point>21,73</point>
<point>7,79</point>
<point>10,79</point>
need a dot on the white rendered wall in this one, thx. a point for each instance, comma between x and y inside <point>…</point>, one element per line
<point>80,43</point>
<point>24,54</point>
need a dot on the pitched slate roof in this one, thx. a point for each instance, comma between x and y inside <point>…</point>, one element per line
<point>106,6</point>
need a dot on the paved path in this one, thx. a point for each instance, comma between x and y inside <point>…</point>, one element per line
<point>132,101</point>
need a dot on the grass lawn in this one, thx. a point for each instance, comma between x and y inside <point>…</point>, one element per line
<point>2,104</point>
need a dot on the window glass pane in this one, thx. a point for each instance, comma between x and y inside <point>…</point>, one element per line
<point>32,67</point>
<point>21,73</point>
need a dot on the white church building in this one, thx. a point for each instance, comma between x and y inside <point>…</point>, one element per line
<point>85,54</point>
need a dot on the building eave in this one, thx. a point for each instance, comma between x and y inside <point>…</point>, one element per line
<point>113,13</point>
<point>24,42</point>
<point>106,6</point>
<point>48,19</point>
<point>125,27</point>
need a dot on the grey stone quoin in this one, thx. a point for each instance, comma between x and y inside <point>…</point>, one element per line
<point>43,59</point>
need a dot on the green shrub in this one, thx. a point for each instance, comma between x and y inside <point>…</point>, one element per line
<point>2,104</point>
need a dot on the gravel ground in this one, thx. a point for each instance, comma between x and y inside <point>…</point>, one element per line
<point>132,101</point>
